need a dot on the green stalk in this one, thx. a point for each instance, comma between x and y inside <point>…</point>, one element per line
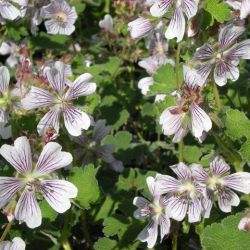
<point>177,65</point>
<point>85,229</point>
<point>175,241</point>
<point>180,149</point>
<point>65,232</point>
<point>217,97</point>
<point>6,230</point>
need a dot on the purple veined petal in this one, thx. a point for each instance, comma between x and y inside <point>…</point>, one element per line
<point>151,185</point>
<point>176,27</point>
<point>144,84</point>
<point>204,70</point>
<point>218,166</point>
<point>142,211</point>
<point>19,155</point>
<point>63,68</point>
<point>51,159</point>
<point>54,28</point>
<point>17,244</point>
<point>226,199</point>
<point>200,121</point>
<point>192,78</point>
<point>239,181</point>
<point>245,9</point>
<point>75,120</point>
<point>37,98</point>
<point>140,214</point>
<point>8,11</point>
<point>177,208</point>
<point>140,27</point>
<point>190,7</point>
<point>194,210</point>
<point>160,7</point>
<point>229,34</point>
<point>50,120</point>
<point>180,133</point>
<point>152,63</point>
<point>81,87</point>
<point>204,52</point>
<point>12,61</point>
<point>225,70</point>
<point>238,51</point>
<point>9,186</point>
<point>199,173</point>
<point>140,202</point>
<point>28,211</point>
<point>182,171</point>
<point>234,3</point>
<point>101,130</point>
<point>58,194</point>
<point>207,202</point>
<point>164,223</point>
<point>166,184</point>
<point>149,233</point>
<point>4,79</point>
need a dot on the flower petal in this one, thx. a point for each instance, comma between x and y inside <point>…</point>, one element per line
<point>4,79</point>
<point>204,70</point>
<point>17,244</point>
<point>160,7</point>
<point>19,155</point>
<point>144,84</point>
<point>194,210</point>
<point>238,51</point>
<point>50,120</point>
<point>166,184</point>
<point>101,130</point>
<point>182,171</point>
<point>139,28</point>
<point>205,52</point>
<point>36,98</point>
<point>199,173</point>
<point>207,202</point>
<point>28,211</point>
<point>81,87</point>
<point>218,166</point>
<point>51,159</point>
<point>58,194</point>
<point>245,9</point>
<point>151,185</point>
<point>193,80</point>
<point>164,223</point>
<point>8,11</point>
<point>75,120</point>
<point>9,186</point>
<point>177,208</point>
<point>226,199</point>
<point>190,7</point>
<point>176,27</point>
<point>140,202</point>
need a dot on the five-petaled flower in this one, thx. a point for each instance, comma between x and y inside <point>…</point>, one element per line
<point>155,211</point>
<point>242,5</point>
<point>32,179</point>
<point>60,100</point>
<point>187,114</point>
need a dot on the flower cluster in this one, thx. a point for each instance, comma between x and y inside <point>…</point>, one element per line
<point>191,195</point>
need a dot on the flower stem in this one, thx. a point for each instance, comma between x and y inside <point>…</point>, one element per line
<point>217,97</point>
<point>6,230</point>
<point>177,65</point>
<point>180,150</point>
<point>65,232</point>
<point>175,241</point>
<point>86,230</point>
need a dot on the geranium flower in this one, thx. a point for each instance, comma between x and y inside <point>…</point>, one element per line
<point>223,58</point>
<point>220,183</point>
<point>177,24</point>
<point>8,10</point>
<point>13,50</point>
<point>183,194</point>
<point>62,17</point>
<point>107,24</point>
<point>242,5</point>
<point>140,27</point>
<point>31,180</point>
<point>155,211</point>
<point>16,244</point>
<point>187,114</point>
<point>60,100</point>
<point>92,147</point>
<point>244,224</point>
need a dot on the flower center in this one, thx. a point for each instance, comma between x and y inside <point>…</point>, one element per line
<point>214,182</point>
<point>61,17</point>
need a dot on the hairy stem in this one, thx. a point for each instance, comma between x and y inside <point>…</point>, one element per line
<point>65,232</point>
<point>217,97</point>
<point>6,230</point>
<point>175,241</point>
<point>86,230</point>
<point>180,150</point>
<point>177,65</point>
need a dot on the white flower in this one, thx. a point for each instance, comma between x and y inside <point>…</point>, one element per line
<point>107,24</point>
<point>242,5</point>
<point>16,244</point>
<point>62,17</point>
<point>177,24</point>
<point>144,84</point>
<point>156,212</point>
<point>8,10</point>
<point>244,224</point>
<point>61,100</point>
<point>10,48</point>
<point>187,114</point>
<point>35,179</point>
<point>183,194</point>
<point>140,27</point>
<point>220,183</point>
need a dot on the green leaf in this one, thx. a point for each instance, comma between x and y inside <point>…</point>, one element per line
<point>105,244</point>
<point>87,184</point>
<point>225,235</point>
<point>47,211</point>
<point>219,10</point>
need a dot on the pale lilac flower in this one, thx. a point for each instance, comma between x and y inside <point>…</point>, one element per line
<point>223,58</point>
<point>60,102</point>
<point>33,9</point>
<point>140,27</point>
<point>11,49</point>
<point>244,224</point>
<point>16,244</point>
<point>8,10</point>
<point>92,147</point>
<point>156,212</point>
<point>183,194</point>
<point>31,180</point>
<point>219,182</point>
<point>177,24</point>
<point>242,5</point>
<point>144,84</point>
<point>62,17</point>
<point>107,24</point>
<point>160,98</point>
<point>187,114</point>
